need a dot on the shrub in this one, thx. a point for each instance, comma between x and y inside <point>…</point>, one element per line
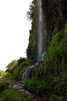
<point>59,85</point>
<point>11,94</point>
<point>2,74</point>
<point>3,86</point>
<point>21,67</point>
<point>6,76</point>
<point>37,87</point>
<point>58,46</point>
<point>16,66</point>
<point>11,66</point>
<point>56,57</point>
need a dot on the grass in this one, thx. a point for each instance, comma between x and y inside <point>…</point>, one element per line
<point>3,86</point>
<point>6,76</point>
<point>36,87</point>
<point>11,94</point>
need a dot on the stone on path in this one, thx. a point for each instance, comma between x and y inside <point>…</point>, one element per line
<point>28,95</point>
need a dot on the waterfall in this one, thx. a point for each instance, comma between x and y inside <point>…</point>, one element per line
<point>25,74</point>
<point>39,29</point>
<point>41,33</point>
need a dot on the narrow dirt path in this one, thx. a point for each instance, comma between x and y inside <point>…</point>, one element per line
<point>28,95</point>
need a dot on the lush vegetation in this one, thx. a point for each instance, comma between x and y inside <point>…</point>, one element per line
<point>3,86</point>
<point>37,87</point>
<point>11,95</point>
<point>58,46</point>
<point>51,76</point>
<point>6,75</point>
<point>57,86</point>
<point>56,56</point>
<point>32,47</point>
<point>2,73</point>
<point>20,68</point>
<point>49,79</point>
<point>16,67</point>
<point>11,66</point>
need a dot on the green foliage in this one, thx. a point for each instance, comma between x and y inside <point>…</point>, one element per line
<point>11,66</point>
<point>37,87</point>
<point>52,70</point>
<point>58,47</point>
<point>21,67</point>
<point>32,47</point>
<point>16,66</point>
<point>6,75</point>
<point>3,86</point>
<point>57,51</point>
<point>2,74</point>
<point>31,12</point>
<point>59,85</point>
<point>11,95</point>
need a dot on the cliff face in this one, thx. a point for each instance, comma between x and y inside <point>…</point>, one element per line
<point>49,77</point>
<point>32,47</point>
<point>55,16</point>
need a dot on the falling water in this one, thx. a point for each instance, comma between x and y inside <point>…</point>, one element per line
<point>39,29</point>
<point>41,43</point>
<point>26,72</point>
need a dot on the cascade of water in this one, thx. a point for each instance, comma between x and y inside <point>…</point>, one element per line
<point>27,71</point>
<point>41,34</point>
<point>39,29</point>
